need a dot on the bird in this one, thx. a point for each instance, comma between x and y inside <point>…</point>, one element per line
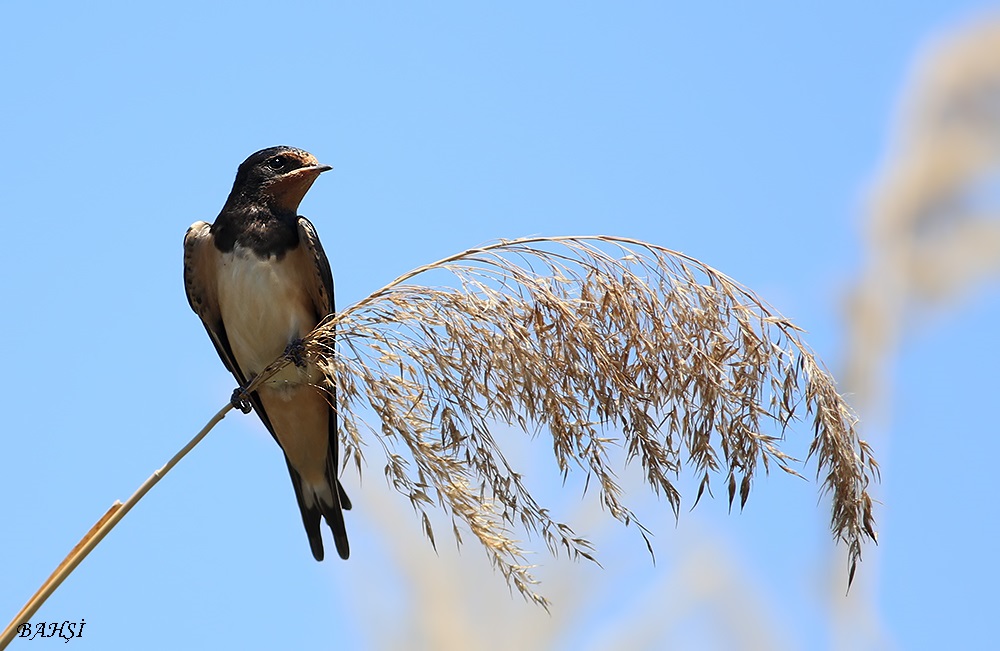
<point>260,281</point>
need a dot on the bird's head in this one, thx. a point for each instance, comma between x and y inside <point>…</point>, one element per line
<point>276,177</point>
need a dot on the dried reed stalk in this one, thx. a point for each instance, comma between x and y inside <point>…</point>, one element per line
<point>101,528</point>
<point>584,337</point>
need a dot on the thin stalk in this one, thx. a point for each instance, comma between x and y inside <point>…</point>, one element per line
<point>98,532</point>
<point>114,515</point>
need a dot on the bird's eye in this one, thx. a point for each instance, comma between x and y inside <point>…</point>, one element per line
<point>277,163</point>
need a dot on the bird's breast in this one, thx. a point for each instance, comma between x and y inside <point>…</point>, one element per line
<point>264,306</point>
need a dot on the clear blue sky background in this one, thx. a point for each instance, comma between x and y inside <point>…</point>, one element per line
<point>743,135</point>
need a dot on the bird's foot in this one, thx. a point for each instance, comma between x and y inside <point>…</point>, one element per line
<point>295,353</point>
<point>241,400</point>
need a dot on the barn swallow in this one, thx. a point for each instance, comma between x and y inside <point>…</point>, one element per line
<point>260,281</point>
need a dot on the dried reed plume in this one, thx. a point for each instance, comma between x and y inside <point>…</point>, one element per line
<point>584,337</point>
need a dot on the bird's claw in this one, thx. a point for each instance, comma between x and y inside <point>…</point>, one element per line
<point>241,401</point>
<point>295,353</point>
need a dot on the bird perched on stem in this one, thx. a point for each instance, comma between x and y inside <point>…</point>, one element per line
<point>260,281</point>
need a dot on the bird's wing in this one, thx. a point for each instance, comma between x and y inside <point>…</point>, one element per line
<point>200,282</point>
<point>321,285</point>
<point>321,292</point>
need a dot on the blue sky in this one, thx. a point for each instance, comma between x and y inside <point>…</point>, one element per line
<point>745,136</point>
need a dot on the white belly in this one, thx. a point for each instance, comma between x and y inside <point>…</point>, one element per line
<point>264,308</point>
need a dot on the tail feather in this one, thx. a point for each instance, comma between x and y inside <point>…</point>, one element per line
<point>316,507</point>
<point>327,501</point>
<point>336,500</point>
<point>345,501</point>
<point>334,515</point>
<point>310,514</point>
<point>333,512</point>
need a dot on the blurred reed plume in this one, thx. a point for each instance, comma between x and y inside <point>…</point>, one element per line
<point>931,229</point>
<point>931,236</point>
<point>585,337</point>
